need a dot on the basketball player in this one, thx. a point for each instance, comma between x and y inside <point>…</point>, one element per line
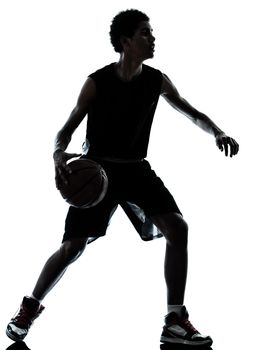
<point>120,100</point>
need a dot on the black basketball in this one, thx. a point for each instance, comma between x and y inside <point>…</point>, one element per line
<point>87,184</point>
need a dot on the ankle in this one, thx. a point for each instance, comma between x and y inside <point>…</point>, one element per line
<point>178,309</point>
<point>37,299</point>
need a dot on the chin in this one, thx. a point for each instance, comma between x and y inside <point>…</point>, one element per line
<point>150,56</point>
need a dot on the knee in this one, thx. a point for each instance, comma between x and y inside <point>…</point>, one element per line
<point>177,232</point>
<point>71,250</point>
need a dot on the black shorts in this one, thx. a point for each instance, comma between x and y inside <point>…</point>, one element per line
<point>133,186</point>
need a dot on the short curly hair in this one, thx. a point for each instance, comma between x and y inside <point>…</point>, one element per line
<point>125,23</point>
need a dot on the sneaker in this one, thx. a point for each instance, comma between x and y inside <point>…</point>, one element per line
<point>179,330</point>
<point>19,325</point>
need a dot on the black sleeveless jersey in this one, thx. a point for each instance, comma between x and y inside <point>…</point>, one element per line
<point>120,117</point>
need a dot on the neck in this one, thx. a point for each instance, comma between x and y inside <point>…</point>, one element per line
<point>128,68</point>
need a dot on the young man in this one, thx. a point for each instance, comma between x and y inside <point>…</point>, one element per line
<point>120,101</point>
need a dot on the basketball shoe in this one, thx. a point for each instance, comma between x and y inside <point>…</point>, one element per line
<point>19,325</point>
<point>179,330</point>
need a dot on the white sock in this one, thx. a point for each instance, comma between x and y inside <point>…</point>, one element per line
<point>175,308</point>
<point>33,297</point>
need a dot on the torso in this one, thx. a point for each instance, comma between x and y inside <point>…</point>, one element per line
<point>120,118</point>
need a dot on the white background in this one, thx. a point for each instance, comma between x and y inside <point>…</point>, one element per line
<point>114,295</point>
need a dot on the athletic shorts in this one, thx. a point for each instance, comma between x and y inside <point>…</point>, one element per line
<point>137,189</point>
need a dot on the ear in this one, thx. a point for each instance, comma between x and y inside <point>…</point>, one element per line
<point>125,41</point>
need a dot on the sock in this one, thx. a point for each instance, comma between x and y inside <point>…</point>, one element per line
<point>33,297</point>
<point>175,308</point>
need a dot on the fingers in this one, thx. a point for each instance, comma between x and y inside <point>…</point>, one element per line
<point>62,170</point>
<point>226,143</point>
<point>61,176</point>
<point>234,148</point>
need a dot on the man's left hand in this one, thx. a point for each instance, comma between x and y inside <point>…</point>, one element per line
<point>225,142</point>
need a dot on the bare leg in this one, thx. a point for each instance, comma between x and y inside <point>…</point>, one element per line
<point>175,230</point>
<point>56,266</point>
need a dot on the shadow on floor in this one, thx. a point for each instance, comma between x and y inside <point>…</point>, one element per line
<point>22,346</point>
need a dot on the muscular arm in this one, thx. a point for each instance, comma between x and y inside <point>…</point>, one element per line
<point>172,96</point>
<point>86,96</point>
<point>64,135</point>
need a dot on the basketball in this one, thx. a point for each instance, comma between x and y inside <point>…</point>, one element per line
<point>87,184</point>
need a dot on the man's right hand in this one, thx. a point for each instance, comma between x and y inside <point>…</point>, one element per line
<point>62,170</point>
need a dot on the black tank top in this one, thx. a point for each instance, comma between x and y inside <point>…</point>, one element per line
<point>120,117</point>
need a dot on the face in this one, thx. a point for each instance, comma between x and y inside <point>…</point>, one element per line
<point>141,45</point>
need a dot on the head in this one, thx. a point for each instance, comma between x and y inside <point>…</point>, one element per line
<point>130,30</point>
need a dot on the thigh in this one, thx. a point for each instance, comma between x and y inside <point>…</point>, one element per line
<point>89,223</point>
<point>150,193</point>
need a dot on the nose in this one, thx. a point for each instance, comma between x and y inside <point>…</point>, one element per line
<point>152,39</point>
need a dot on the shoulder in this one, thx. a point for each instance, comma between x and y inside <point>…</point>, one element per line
<point>103,77</point>
<point>108,69</point>
<point>150,70</point>
<point>153,75</point>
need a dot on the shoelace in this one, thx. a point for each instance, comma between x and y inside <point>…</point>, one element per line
<point>25,316</point>
<point>189,326</point>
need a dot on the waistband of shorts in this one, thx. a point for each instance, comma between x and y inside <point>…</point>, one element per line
<point>115,160</point>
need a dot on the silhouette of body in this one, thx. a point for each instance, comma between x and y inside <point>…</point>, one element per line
<point>120,101</point>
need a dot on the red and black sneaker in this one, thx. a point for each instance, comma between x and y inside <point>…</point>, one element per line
<point>19,325</point>
<point>179,330</point>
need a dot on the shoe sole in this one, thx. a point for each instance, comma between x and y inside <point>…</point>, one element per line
<point>13,337</point>
<point>164,339</point>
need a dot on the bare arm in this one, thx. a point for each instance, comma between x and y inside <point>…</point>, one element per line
<point>172,96</point>
<point>64,135</point>
<point>86,96</point>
